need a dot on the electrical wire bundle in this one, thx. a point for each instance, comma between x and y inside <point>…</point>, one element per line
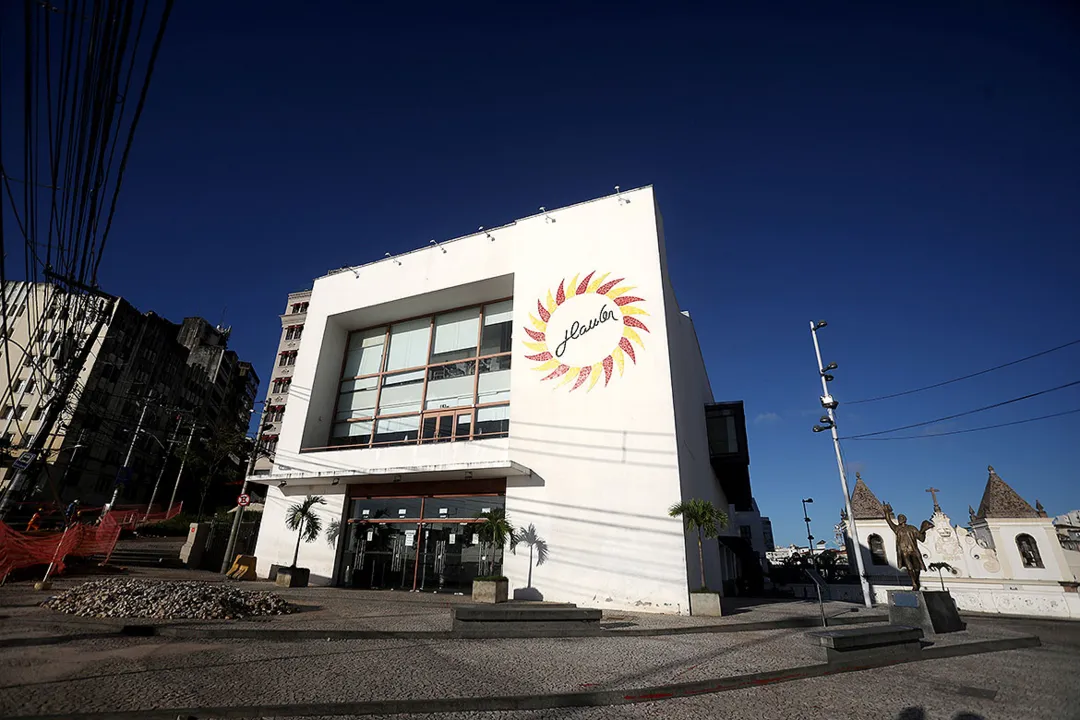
<point>70,104</point>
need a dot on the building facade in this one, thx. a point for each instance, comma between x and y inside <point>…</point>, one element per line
<point>277,396</point>
<point>1008,559</point>
<point>140,366</point>
<point>543,368</point>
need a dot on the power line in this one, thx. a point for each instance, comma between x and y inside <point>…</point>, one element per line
<point>967,412</point>
<point>965,377</point>
<point>970,430</point>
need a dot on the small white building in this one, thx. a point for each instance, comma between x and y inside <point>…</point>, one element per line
<point>1009,561</point>
<point>544,368</point>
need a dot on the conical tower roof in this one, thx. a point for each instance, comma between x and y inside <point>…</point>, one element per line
<point>864,504</point>
<point>1001,501</point>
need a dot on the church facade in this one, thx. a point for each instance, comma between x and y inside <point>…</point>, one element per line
<point>1007,560</point>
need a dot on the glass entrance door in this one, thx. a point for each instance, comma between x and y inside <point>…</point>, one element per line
<point>449,557</point>
<point>384,556</point>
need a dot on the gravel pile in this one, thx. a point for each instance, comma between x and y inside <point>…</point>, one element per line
<point>128,597</point>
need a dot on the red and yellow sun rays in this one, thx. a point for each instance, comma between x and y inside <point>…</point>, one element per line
<point>590,374</point>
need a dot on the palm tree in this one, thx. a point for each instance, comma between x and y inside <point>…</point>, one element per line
<point>701,516</point>
<point>497,530</point>
<point>301,519</point>
<point>530,538</point>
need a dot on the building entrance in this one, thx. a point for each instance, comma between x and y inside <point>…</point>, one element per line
<point>428,543</point>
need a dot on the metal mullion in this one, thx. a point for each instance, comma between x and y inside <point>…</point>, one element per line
<point>378,386</point>
<point>419,539</point>
<point>442,312</point>
<point>476,370</point>
<point>423,391</point>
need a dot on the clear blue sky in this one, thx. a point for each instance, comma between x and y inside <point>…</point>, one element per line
<point>907,172</point>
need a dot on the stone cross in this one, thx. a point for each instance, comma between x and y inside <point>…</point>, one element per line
<point>933,493</point>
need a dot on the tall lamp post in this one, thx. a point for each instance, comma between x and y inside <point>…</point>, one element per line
<point>828,422</point>
<point>809,535</point>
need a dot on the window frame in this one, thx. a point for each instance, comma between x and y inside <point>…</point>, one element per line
<point>423,414</point>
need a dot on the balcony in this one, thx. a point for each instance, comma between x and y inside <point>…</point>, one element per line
<point>728,453</point>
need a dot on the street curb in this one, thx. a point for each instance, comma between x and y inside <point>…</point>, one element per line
<point>599,698</point>
<point>293,635</point>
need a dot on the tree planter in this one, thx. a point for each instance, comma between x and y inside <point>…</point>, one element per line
<point>292,577</point>
<point>272,576</point>
<point>706,604</point>
<point>490,591</point>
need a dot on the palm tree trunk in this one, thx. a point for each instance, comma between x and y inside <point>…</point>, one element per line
<point>529,584</point>
<point>299,534</point>
<point>701,560</point>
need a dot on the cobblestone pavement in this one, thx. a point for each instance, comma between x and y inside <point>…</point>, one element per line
<point>86,673</point>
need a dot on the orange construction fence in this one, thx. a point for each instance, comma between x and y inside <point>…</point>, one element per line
<point>21,550</point>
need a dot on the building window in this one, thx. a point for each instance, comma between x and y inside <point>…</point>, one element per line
<point>439,378</point>
<point>287,359</point>
<point>281,385</point>
<point>1029,551</point>
<point>13,414</point>
<point>293,332</point>
<point>746,534</point>
<point>270,443</point>
<point>877,551</point>
<point>299,308</point>
<point>31,386</point>
<point>37,413</point>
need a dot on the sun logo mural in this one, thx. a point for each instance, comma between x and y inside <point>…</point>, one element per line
<point>584,330</point>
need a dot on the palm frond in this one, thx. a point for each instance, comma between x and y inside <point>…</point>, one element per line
<point>541,552</point>
<point>333,531</point>
<point>313,528</point>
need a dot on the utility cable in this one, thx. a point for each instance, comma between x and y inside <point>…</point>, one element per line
<point>971,430</point>
<point>967,412</point>
<point>965,377</point>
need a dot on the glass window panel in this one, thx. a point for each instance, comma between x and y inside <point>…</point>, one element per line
<point>401,393</point>
<point>498,327</point>
<point>364,354</point>
<point>356,404</point>
<point>397,430</point>
<point>431,424</point>
<point>450,385</point>
<point>492,421</point>
<point>494,385</point>
<point>351,433</point>
<point>464,426</point>
<point>367,383</point>
<point>408,344</point>
<point>385,508</point>
<point>455,335</point>
<point>463,507</point>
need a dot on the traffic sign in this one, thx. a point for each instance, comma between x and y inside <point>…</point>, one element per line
<point>23,461</point>
<point>243,500</point>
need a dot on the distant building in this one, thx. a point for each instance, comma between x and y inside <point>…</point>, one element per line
<point>1010,561</point>
<point>277,393</point>
<point>181,373</point>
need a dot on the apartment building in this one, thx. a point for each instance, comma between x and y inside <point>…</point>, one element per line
<point>277,397</point>
<point>140,365</point>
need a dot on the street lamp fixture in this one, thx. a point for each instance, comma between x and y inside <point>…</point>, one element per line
<point>830,366</point>
<point>820,324</point>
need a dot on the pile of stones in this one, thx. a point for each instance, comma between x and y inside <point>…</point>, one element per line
<point>138,598</point>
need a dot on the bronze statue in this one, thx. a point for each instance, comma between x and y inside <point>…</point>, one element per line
<point>908,555</point>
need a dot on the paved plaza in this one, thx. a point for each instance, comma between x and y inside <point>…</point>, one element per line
<point>52,664</point>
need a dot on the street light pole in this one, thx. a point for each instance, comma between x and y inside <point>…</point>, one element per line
<point>830,404</point>
<point>809,535</point>
<point>127,459</point>
<point>183,460</point>
<point>226,563</point>
<point>164,463</point>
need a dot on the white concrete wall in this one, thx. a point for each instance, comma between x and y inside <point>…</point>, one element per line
<point>691,391</point>
<point>276,544</point>
<point>604,456</point>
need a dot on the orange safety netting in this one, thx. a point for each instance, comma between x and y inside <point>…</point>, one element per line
<point>20,550</point>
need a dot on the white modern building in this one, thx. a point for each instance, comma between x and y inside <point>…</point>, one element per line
<point>544,368</point>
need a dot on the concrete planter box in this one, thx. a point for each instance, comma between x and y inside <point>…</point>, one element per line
<point>706,604</point>
<point>292,577</point>
<point>490,591</point>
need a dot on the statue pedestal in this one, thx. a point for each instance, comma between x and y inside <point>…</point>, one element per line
<point>932,610</point>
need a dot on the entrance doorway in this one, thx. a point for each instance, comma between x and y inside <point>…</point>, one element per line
<point>426,543</point>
